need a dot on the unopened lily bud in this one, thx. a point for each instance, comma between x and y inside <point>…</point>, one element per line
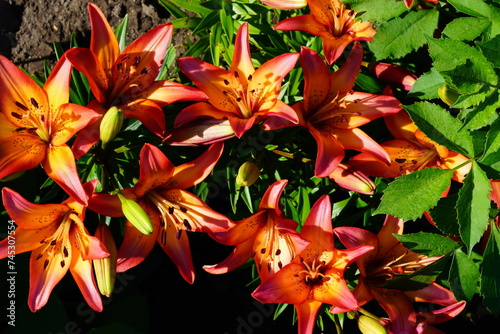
<point>136,215</point>
<point>105,269</point>
<point>248,173</point>
<point>448,95</point>
<point>394,74</point>
<point>13,176</point>
<point>111,124</point>
<point>369,325</point>
<point>351,179</point>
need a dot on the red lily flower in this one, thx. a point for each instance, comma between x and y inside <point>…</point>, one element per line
<point>315,276</point>
<point>236,97</point>
<point>267,236</point>
<point>409,3</point>
<point>37,122</point>
<point>334,23</point>
<point>127,79</point>
<point>389,258</point>
<point>411,150</point>
<point>57,237</point>
<point>332,111</point>
<point>172,210</point>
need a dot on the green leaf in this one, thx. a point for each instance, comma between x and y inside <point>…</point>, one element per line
<point>466,28</point>
<point>121,33</point>
<point>480,8</point>
<point>490,275</point>
<point>470,77</point>
<point>173,10</point>
<point>464,276</point>
<point>400,36</point>
<point>195,6</point>
<point>492,144</point>
<point>440,126</point>
<point>419,279</point>
<point>491,50</point>
<point>408,196</point>
<point>376,10</point>
<point>473,206</point>
<point>444,215</point>
<point>449,53</point>
<point>427,85</point>
<point>484,113</point>
<point>429,244</point>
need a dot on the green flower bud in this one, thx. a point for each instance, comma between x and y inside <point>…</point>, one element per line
<point>369,325</point>
<point>448,95</point>
<point>136,215</point>
<point>105,269</point>
<point>248,173</point>
<point>111,124</point>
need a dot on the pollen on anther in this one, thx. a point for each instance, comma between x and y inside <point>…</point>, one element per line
<point>263,251</point>
<point>39,257</point>
<point>34,103</point>
<point>171,210</point>
<point>226,82</point>
<point>65,252</point>
<point>16,115</point>
<point>45,264</point>
<point>278,251</point>
<point>62,263</point>
<point>183,209</point>
<point>20,105</point>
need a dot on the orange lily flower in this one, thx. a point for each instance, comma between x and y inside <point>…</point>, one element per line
<point>267,236</point>
<point>57,237</point>
<point>409,3</point>
<point>237,98</point>
<point>411,150</point>
<point>171,209</point>
<point>334,23</point>
<point>37,122</point>
<point>127,79</point>
<point>332,111</point>
<point>316,275</point>
<point>388,259</point>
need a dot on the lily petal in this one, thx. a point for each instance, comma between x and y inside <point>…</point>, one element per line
<point>68,119</point>
<point>27,240</point>
<point>155,170</point>
<point>344,78</point>
<point>243,230</point>
<point>31,216</point>
<point>330,152</point>
<point>239,255</point>
<point>335,291</point>
<point>398,308</point>
<point>87,62</point>
<point>317,84</point>
<point>242,60</point>
<point>60,166</point>
<point>148,112</point>
<point>15,102</point>
<point>57,84</point>
<point>22,152</point>
<point>306,316</point>
<point>166,92</point>
<point>286,286</point>
<point>356,139</point>
<point>205,132</point>
<point>285,4</point>
<point>271,198</point>
<point>82,272</point>
<point>103,42</point>
<point>191,173</point>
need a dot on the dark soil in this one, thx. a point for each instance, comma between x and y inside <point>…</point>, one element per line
<point>28,28</point>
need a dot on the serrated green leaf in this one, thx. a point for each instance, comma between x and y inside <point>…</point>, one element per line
<point>429,244</point>
<point>444,215</point>
<point>419,279</point>
<point>473,206</point>
<point>376,10</point>
<point>491,50</point>
<point>464,276</point>
<point>484,113</point>
<point>427,85</point>
<point>470,77</point>
<point>449,53</point>
<point>409,196</point>
<point>440,126</point>
<point>490,275</point>
<point>492,144</point>
<point>480,8</point>
<point>400,36</point>
<point>466,28</point>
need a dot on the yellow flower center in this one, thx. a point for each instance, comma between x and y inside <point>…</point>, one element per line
<point>314,273</point>
<point>32,118</point>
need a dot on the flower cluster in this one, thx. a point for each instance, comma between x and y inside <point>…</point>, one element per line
<point>134,162</point>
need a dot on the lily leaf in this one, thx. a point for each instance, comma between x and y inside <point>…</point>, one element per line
<point>490,275</point>
<point>400,36</point>
<point>440,126</point>
<point>422,189</point>
<point>464,276</point>
<point>473,206</point>
<point>429,244</point>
